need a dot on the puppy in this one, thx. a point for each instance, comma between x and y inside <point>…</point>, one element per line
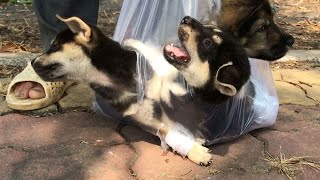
<point>211,61</point>
<point>252,22</point>
<point>206,56</point>
<point>83,53</point>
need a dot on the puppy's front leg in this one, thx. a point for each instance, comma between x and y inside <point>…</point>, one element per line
<point>200,154</point>
<point>183,141</point>
<point>153,56</point>
<point>153,119</point>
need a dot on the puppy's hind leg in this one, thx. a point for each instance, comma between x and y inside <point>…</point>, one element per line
<point>148,115</point>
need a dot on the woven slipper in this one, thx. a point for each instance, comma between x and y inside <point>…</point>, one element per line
<point>53,91</point>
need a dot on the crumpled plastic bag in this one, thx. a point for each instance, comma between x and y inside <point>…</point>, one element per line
<point>155,23</point>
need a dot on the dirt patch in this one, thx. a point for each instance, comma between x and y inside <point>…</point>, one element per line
<point>300,18</point>
<point>18,24</point>
<point>301,65</point>
<point>7,71</point>
<point>19,28</point>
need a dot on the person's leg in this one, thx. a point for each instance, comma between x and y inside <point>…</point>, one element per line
<point>50,26</point>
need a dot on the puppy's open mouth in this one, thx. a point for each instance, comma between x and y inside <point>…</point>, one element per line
<point>175,53</point>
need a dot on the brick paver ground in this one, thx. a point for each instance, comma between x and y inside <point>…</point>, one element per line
<point>82,145</point>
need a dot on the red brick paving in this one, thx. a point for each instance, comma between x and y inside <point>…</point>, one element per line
<point>240,175</point>
<point>10,158</point>
<point>81,145</point>
<point>30,133</point>
<point>293,117</point>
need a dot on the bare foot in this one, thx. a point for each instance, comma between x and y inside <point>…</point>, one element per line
<point>25,90</point>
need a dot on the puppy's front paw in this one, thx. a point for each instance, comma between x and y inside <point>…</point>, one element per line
<point>181,140</point>
<point>200,154</point>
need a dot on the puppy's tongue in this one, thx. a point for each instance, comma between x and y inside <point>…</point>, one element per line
<point>178,52</point>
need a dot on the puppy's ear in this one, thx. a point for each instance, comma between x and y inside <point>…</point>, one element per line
<point>77,26</point>
<point>221,79</point>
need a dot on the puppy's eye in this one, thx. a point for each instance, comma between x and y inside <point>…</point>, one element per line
<point>207,43</point>
<point>55,46</point>
<point>262,28</point>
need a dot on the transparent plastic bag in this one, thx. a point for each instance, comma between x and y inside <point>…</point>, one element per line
<point>155,23</point>
<point>256,108</point>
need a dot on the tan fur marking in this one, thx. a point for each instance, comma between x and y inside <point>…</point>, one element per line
<point>76,65</point>
<point>77,26</point>
<point>197,74</point>
<point>217,39</point>
<point>217,30</point>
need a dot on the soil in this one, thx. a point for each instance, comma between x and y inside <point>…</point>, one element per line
<point>19,28</point>
<point>19,31</point>
<point>301,65</point>
<point>7,71</point>
<point>300,18</point>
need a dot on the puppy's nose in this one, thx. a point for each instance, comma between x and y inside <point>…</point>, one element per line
<point>289,40</point>
<point>186,20</point>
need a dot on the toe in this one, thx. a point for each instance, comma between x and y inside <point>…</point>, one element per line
<point>17,89</point>
<point>37,92</point>
<point>22,90</point>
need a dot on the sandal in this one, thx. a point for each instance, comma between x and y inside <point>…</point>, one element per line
<point>53,91</point>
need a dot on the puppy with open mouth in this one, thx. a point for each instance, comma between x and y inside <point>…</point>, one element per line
<point>211,61</point>
<point>83,53</point>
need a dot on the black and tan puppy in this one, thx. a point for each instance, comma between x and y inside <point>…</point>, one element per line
<point>83,53</point>
<point>252,22</point>
<point>211,61</point>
